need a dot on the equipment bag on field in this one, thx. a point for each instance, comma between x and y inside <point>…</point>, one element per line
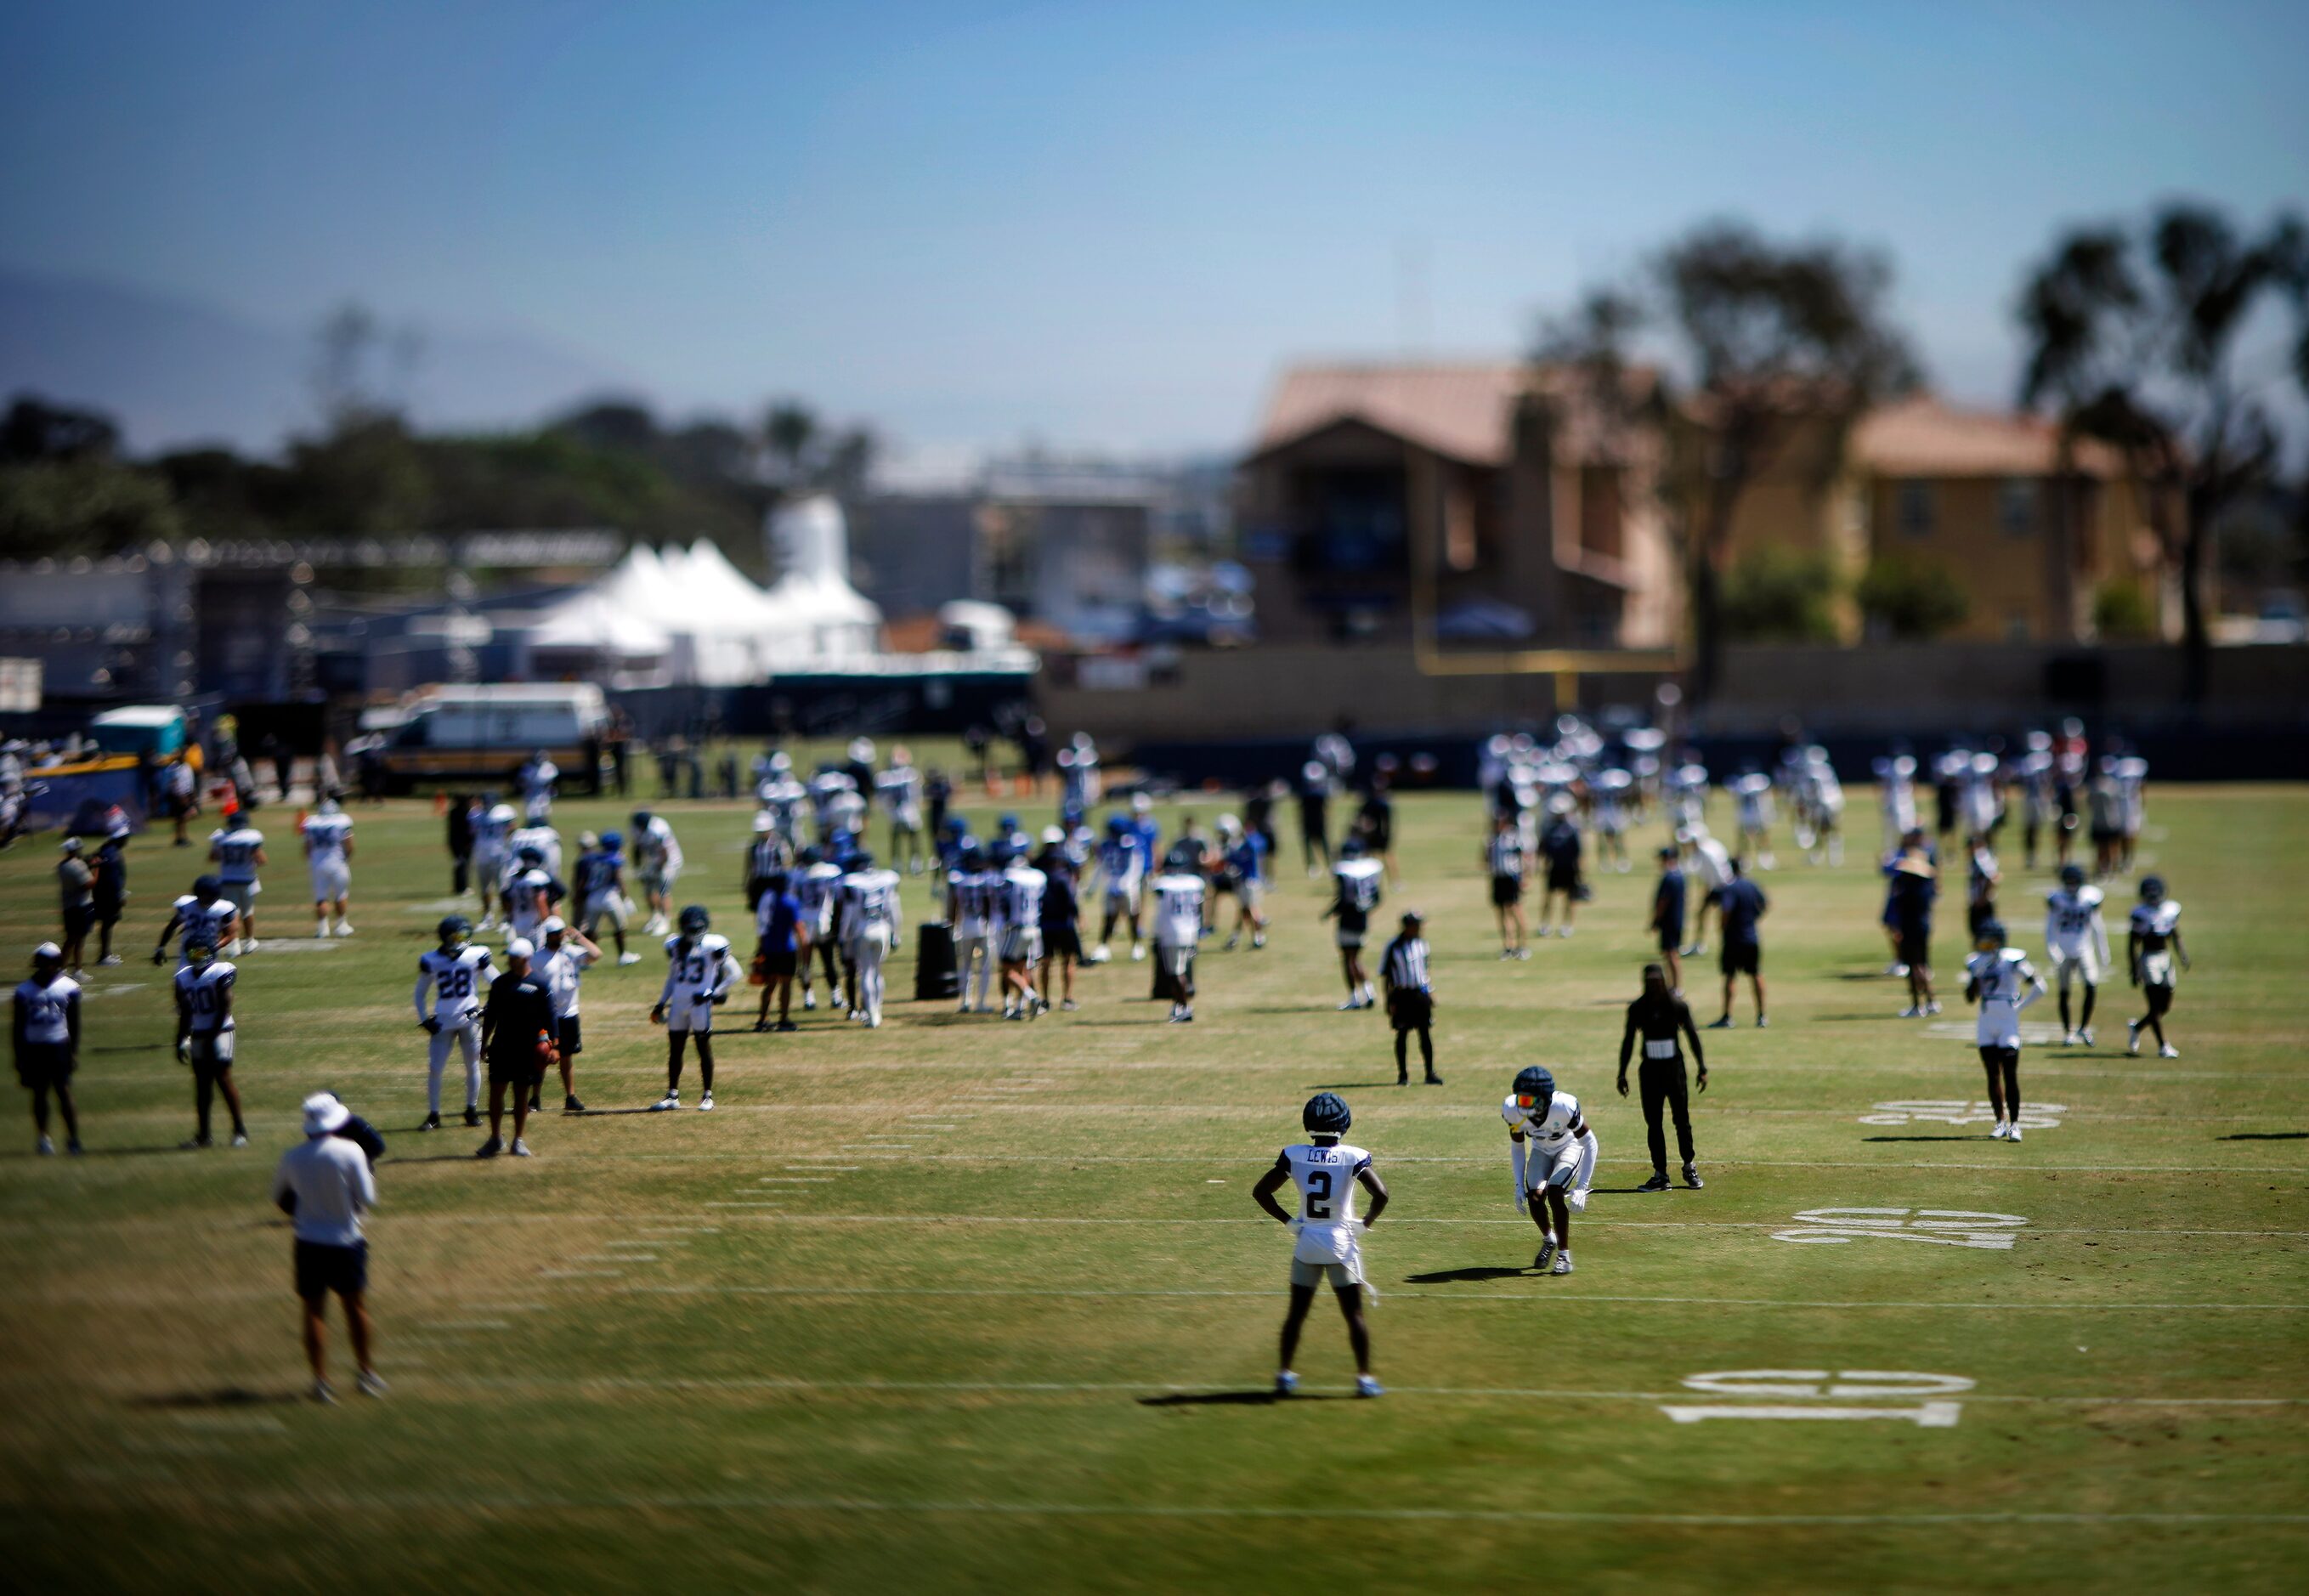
<point>935,978</point>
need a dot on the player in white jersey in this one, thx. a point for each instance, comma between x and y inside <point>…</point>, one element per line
<point>2076,941</point>
<point>2132,774</point>
<point>1019,928</point>
<point>328,833</point>
<point>492,835</point>
<point>867,907</point>
<point>814,886</point>
<point>657,862</point>
<point>237,848</point>
<point>1823,806</point>
<point>457,975</point>
<point>1896,790</point>
<point>1711,872</point>
<point>2002,981</point>
<point>561,962</point>
<point>1177,904</point>
<point>530,894</point>
<point>544,838</point>
<point>205,1033</point>
<point>971,892</point>
<point>1327,1236</point>
<point>205,914</point>
<point>1356,889</point>
<point>44,1025</point>
<point>537,780</point>
<point>1553,1154</point>
<point>900,788</point>
<point>1608,796</point>
<point>698,973</point>
<point>2152,943</point>
<point>1752,798</point>
<point>1122,871</point>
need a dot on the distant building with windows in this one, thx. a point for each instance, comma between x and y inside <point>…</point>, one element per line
<point>1466,503</point>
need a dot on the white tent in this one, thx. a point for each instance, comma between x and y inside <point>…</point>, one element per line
<point>822,618</point>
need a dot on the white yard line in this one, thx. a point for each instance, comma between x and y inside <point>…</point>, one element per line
<point>774,1384</point>
<point>1471,1299</point>
<point>749,1502</point>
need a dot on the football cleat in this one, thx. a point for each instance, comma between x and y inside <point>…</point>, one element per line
<point>2167,1050</point>
<point>196,1145</point>
<point>323,1394</point>
<point>45,1147</point>
<point>2085,1035</point>
<point>1723,1022</point>
<point>1691,1177</point>
<point>1562,1263</point>
<point>2071,1040</point>
<point>491,1147</point>
<point>432,1123</point>
<point>240,1138</point>
<point>520,1148</point>
<point>473,1115</point>
<point>2132,1038</point>
<point>2000,1132</point>
<point>1545,1255</point>
<point>1286,1383</point>
<point>570,1105</point>
<point>1366,1386</point>
<point>1658,1183</point>
<point>1915,1011</point>
<point>2015,1133</point>
<point>705,1104</point>
<point>371,1383</point>
<point>1932,1008</point>
<point>671,1100</point>
<point>630,958</point>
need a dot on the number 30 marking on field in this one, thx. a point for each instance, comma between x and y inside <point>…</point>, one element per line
<point>1942,1227</point>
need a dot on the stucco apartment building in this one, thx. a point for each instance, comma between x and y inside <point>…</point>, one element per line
<point>1487,503</point>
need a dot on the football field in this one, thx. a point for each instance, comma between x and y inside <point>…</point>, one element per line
<point>961,1304</point>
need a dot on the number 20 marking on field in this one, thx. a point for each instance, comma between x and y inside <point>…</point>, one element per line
<point>1942,1227</point>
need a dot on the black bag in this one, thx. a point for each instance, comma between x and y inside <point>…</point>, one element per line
<point>364,1135</point>
<point>936,980</point>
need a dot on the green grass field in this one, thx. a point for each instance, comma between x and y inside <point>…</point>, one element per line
<point>966,1304</point>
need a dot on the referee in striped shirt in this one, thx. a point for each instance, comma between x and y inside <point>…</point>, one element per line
<point>1410,1000</point>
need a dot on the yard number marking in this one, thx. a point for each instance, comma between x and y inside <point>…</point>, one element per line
<point>2036,1117</point>
<point>1813,1383</point>
<point>1942,1227</point>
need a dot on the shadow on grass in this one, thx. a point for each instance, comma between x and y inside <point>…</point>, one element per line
<point>1481,1272</point>
<point>1956,1138</point>
<point>2266,1136</point>
<point>223,1396</point>
<point>1233,1398</point>
<point>1349,1085</point>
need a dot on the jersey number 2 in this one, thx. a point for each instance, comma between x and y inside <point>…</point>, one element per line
<point>1318,1193</point>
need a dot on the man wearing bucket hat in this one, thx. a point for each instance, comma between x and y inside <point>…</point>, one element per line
<point>325,1184</point>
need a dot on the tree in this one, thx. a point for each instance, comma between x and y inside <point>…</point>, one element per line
<point>1772,338</point>
<point>2134,338</point>
<point>34,429</point>
<point>1911,600</point>
<point>1780,595</point>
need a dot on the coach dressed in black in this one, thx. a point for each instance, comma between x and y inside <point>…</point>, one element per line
<point>1660,1018</point>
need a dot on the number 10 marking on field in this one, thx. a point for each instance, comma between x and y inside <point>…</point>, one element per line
<point>1813,1383</point>
<point>1942,1227</point>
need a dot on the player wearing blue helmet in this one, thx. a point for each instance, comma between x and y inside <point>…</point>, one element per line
<point>1121,868</point>
<point>1328,1235</point>
<point>2002,981</point>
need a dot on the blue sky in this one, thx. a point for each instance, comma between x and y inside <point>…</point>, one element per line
<point>1094,225</point>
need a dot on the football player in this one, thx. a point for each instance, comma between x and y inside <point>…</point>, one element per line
<point>205,913</point>
<point>204,1037</point>
<point>530,894</point>
<point>657,861</point>
<point>458,975</point>
<point>1553,1154</point>
<point>1018,927</point>
<point>491,829</point>
<point>560,964</point>
<point>1327,1245</point>
<point>970,904</point>
<point>870,922</point>
<point>237,848</point>
<point>1751,795</point>
<point>328,833</point>
<point>2152,943</point>
<point>698,975</point>
<point>1178,933</point>
<point>2002,981</point>
<point>1356,893</point>
<point>44,1025</point>
<point>814,886</point>
<point>1504,856</point>
<point>1122,871</point>
<point>782,942</point>
<point>2076,940</point>
<point>900,788</point>
<point>537,779</point>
